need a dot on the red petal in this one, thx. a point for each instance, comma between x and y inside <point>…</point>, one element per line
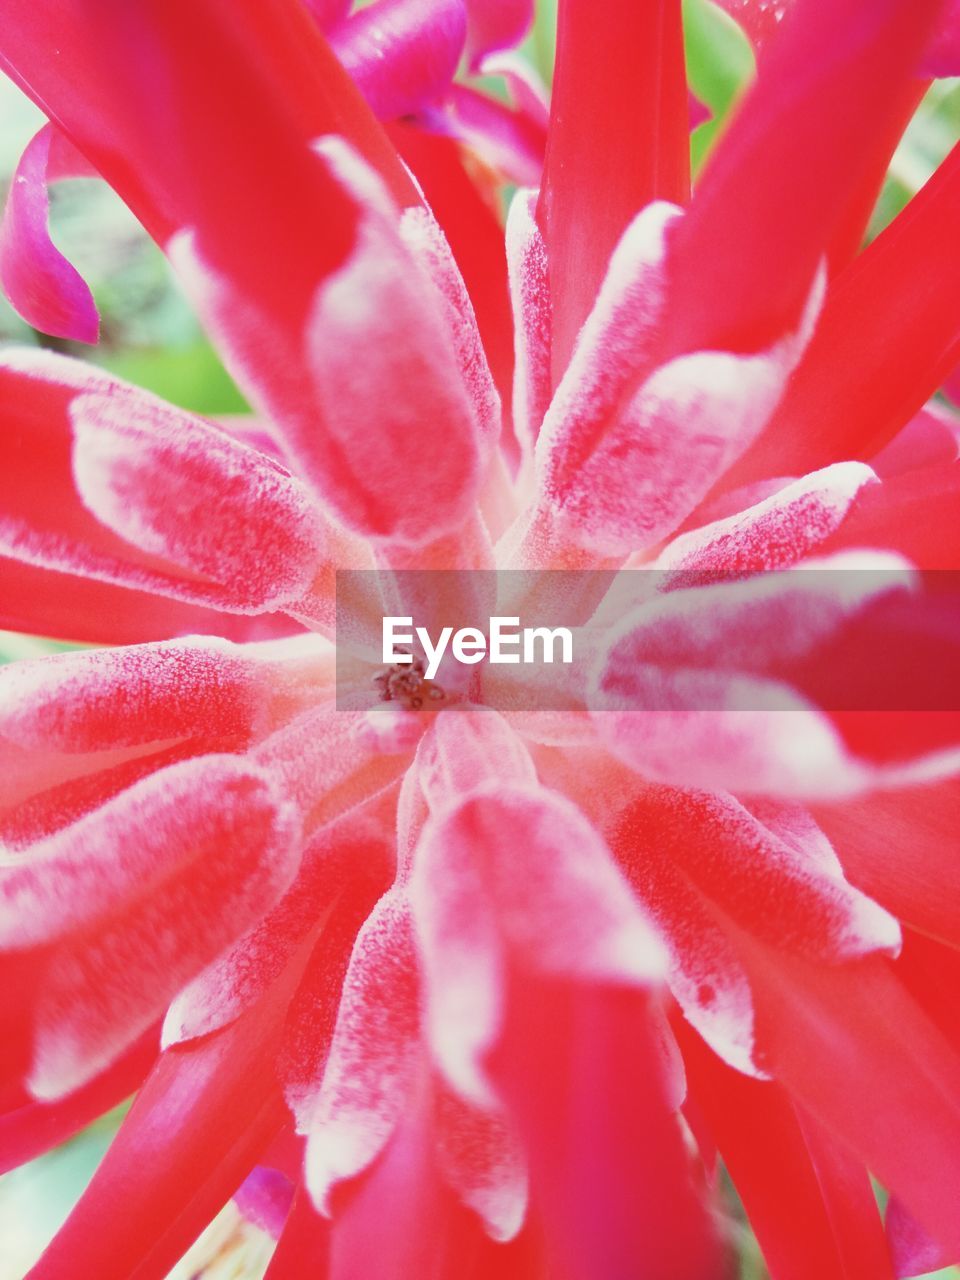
<point>619,77</point>
<point>402,54</point>
<point>810,1205</point>
<point>530,293</point>
<point>891,1091</point>
<point>781,183</point>
<point>36,1127</point>
<point>900,847</point>
<point>199,1123</point>
<point>582,1070</point>
<point>869,370</point>
<point>304,1245</point>
<point>38,280</point>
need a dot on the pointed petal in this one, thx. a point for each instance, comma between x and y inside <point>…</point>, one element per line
<point>208,846</point>
<point>368,1076</point>
<point>810,1205</point>
<point>562,909</point>
<point>620,77</point>
<point>776,532</point>
<point>867,372</point>
<point>37,279</point>
<point>345,868</point>
<point>781,181</point>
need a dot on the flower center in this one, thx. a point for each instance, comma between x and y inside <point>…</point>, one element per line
<point>406,682</point>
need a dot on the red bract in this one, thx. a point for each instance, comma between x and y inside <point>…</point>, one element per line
<point>468,993</point>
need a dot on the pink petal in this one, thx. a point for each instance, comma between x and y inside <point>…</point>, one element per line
<point>504,136</point>
<point>265,1199</point>
<point>494,25</point>
<point>515,873</point>
<point>375,1049</point>
<point>402,54</point>
<point>38,280</point>
<point>345,868</point>
<point>422,235</point>
<point>684,426</point>
<point>737,672</point>
<point>942,57</point>
<point>530,293</point>
<point>481,1158</point>
<point>99,700</point>
<point>269,536</point>
<point>208,847</point>
<point>59,509</point>
<point>914,1251</point>
<point>358,407</point>
<point>773,534</point>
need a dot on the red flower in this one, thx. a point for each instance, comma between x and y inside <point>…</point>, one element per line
<point>482,993</point>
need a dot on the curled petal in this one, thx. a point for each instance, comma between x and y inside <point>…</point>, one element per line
<point>37,279</point>
<point>109,698</point>
<point>84,450</point>
<point>682,429</point>
<point>369,1073</point>
<point>207,848</point>
<point>515,874</point>
<point>402,54</point>
<point>269,535</point>
<point>422,235</point>
<point>481,1158</point>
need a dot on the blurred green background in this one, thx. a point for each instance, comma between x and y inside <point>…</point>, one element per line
<point>151,337</point>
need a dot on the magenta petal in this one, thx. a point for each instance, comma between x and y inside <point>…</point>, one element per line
<point>39,282</point>
<point>914,1252</point>
<point>265,1199</point>
<point>402,54</point>
<point>943,56</point>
